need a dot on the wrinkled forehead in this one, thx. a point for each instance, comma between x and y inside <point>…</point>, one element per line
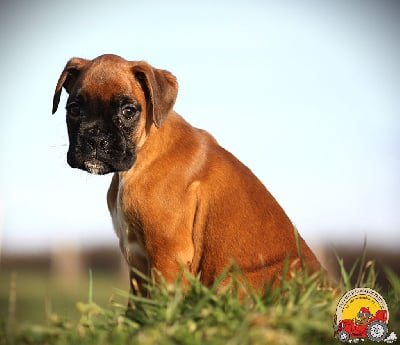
<point>107,80</point>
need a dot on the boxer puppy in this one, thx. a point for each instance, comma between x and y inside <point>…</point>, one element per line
<point>177,199</point>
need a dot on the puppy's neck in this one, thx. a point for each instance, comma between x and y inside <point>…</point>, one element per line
<point>160,140</point>
<point>157,142</point>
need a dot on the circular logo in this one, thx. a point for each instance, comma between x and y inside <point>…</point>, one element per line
<point>352,301</point>
<point>361,313</point>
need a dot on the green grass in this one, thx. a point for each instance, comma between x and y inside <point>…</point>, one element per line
<point>299,310</point>
<point>39,294</point>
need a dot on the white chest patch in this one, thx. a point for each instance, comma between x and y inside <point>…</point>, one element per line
<point>131,249</point>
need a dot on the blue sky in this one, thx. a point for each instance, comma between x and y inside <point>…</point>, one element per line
<point>304,93</point>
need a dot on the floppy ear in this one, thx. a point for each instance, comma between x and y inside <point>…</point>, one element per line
<point>67,79</point>
<point>160,88</point>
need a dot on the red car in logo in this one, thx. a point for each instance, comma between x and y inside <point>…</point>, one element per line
<point>375,328</point>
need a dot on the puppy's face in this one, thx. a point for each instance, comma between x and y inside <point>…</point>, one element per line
<point>111,105</point>
<point>104,113</point>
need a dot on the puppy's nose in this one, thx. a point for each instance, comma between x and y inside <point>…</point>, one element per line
<point>97,143</point>
<point>97,139</point>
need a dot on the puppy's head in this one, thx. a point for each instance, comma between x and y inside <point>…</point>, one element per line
<point>111,107</point>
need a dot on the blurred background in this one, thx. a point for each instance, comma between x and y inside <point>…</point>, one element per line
<point>304,93</point>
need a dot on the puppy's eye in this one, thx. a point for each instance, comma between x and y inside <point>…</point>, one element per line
<point>73,109</point>
<point>129,112</point>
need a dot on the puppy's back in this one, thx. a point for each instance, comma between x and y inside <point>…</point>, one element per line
<point>242,221</point>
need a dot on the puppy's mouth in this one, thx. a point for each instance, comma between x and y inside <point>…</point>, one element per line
<point>96,167</point>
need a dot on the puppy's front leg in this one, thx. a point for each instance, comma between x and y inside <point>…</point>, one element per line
<point>138,269</point>
<point>177,243</point>
<point>170,258</point>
